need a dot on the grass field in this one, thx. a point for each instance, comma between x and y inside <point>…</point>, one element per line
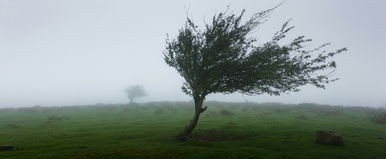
<point>225,130</point>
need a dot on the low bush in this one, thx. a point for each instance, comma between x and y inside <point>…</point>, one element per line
<point>379,118</point>
<point>225,112</point>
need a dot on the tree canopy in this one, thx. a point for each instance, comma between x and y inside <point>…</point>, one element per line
<point>135,91</point>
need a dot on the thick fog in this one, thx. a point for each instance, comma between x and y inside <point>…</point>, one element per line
<point>71,52</point>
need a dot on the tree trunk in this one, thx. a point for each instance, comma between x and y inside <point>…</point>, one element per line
<point>186,134</point>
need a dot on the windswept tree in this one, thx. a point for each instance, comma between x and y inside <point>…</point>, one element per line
<point>223,57</point>
<point>134,92</point>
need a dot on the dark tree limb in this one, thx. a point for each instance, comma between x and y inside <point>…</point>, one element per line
<point>204,109</point>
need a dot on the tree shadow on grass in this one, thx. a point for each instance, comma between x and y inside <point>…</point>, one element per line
<point>219,135</point>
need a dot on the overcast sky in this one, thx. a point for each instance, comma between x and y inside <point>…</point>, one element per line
<point>73,52</point>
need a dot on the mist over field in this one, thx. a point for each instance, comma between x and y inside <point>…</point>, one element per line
<point>60,53</point>
<point>192,79</point>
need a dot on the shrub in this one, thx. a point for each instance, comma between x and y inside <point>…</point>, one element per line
<point>225,112</point>
<point>58,118</point>
<point>379,118</point>
<point>281,110</point>
<point>245,109</point>
<point>159,111</point>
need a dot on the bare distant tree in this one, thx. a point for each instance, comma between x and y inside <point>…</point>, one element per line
<point>135,91</point>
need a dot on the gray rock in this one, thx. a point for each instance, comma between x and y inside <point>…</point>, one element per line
<point>329,138</point>
<point>7,148</point>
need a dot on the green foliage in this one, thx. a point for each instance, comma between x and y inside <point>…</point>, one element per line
<point>134,131</point>
<point>222,57</point>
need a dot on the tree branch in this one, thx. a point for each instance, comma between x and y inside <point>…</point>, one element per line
<point>203,109</point>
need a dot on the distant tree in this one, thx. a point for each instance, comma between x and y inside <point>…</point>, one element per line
<point>222,57</point>
<point>134,92</point>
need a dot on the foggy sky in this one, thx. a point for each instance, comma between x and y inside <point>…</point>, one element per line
<point>71,52</point>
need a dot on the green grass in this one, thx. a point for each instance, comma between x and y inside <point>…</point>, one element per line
<point>246,130</point>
